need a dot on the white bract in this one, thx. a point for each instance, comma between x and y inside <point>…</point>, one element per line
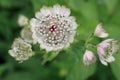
<point>22,20</point>
<point>53,28</point>
<point>26,34</point>
<point>88,57</point>
<point>21,50</point>
<point>100,32</point>
<point>106,49</point>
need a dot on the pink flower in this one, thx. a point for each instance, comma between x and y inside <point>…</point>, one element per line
<point>106,49</point>
<point>100,32</point>
<point>88,57</point>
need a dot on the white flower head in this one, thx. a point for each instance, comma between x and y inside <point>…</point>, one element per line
<point>26,34</point>
<point>53,27</point>
<point>106,49</point>
<point>21,50</point>
<point>88,57</point>
<point>100,32</point>
<point>22,20</point>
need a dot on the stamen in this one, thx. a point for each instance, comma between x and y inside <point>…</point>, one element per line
<point>53,28</point>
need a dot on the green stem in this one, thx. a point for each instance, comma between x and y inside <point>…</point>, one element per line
<point>91,45</point>
<point>90,37</point>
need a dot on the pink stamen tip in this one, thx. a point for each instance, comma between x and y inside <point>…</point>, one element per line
<point>53,28</point>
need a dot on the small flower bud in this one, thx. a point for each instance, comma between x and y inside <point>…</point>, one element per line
<point>106,49</point>
<point>22,20</point>
<point>21,50</point>
<point>89,57</point>
<point>100,32</point>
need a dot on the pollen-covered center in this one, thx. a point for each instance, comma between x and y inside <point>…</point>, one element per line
<point>53,31</point>
<point>53,28</point>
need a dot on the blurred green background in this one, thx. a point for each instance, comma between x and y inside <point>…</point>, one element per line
<point>68,64</point>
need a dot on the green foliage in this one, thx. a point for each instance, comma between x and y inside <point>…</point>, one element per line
<point>79,71</point>
<point>110,4</point>
<point>49,56</point>
<point>85,8</point>
<point>115,66</point>
<point>13,3</point>
<point>68,64</point>
<point>37,4</point>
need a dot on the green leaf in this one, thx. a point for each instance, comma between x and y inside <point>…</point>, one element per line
<point>110,4</point>
<point>3,47</point>
<point>2,69</point>
<point>103,12</point>
<point>116,16</point>
<point>37,4</point>
<point>5,27</point>
<point>49,56</point>
<point>19,76</point>
<point>81,72</point>
<point>13,3</point>
<point>116,66</point>
<point>113,30</point>
<point>86,8</point>
<point>78,70</point>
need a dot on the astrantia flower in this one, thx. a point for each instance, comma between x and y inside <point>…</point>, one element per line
<point>53,27</point>
<point>88,57</point>
<point>100,32</point>
<point>26,34</point>
<point>106,49</point>
<point>22,20</point>
<point>21,50</point>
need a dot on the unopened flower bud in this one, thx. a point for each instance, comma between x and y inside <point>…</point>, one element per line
<point>22,20</point>
<point>89,57</point>
<point>100,32</point>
